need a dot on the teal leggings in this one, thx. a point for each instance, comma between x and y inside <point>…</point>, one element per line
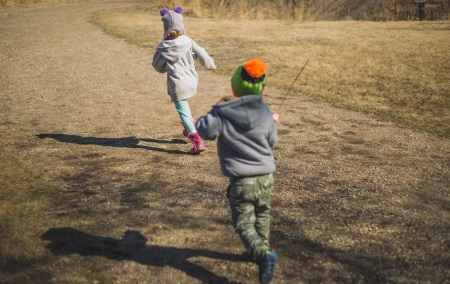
<point>185,115</point>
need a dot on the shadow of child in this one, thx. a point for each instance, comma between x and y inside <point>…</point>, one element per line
<point>66,241</point>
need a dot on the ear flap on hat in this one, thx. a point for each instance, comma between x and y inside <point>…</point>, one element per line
<point>163,11</point>
<point>178,9</point>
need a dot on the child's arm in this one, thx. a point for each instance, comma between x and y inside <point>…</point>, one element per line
<point>159,63</point>
<point>272,137</point>
<point>208,126</point>
<point>203,56</point>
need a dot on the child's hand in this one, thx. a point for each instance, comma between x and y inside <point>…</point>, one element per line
<point>275,117</point>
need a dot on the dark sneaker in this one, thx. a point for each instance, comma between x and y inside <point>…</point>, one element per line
<point>267,267</point>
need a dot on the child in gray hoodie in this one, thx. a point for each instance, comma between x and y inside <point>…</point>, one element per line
<point>175,56</point>
<point>246,132</point>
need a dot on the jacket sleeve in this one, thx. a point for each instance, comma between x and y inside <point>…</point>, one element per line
<point>272,136</point>
<point>203,56</point>
<point>209,126</point>
<point>159,62</point>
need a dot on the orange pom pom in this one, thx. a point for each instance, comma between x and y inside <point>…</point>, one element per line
<point>255,67</point>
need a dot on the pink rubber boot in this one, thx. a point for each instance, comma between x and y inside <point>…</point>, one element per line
<point>198,143</point>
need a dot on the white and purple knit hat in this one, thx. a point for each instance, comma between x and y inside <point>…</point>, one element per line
<point>172,20</point>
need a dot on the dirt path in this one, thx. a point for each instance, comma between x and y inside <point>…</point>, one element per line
<point>118,200</point>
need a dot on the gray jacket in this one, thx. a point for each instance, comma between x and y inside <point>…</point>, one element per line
<point>176,57</point>
<point>246,133</point>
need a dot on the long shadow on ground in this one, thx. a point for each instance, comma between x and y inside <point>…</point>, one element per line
<point>127,142</point>
<point>66,240</point>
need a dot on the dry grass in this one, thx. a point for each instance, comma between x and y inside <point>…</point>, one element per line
<point>96,187</point>
<point>8,4</point>
<point>300,10</point>
<point>19,192</point>
<point>397,71</point>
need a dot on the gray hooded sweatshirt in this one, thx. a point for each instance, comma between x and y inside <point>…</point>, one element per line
<point>246,133</point>
<point>176,57</point>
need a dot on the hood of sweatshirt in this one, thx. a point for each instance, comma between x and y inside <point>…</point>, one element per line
<point>247,112</point>
<point>173,50</point>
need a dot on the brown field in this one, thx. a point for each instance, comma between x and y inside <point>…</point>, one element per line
<point>298,10</point>
<point>96,185</point>
<point>397,71</point>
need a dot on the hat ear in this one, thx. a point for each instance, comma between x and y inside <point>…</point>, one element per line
<point>178,9</point>
<point>163,11</point>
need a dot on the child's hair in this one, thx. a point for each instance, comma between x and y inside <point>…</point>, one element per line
<point>173,34</point>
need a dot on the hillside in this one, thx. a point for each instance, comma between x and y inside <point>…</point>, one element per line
<point>377,10</point>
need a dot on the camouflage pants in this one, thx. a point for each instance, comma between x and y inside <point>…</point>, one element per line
<point>250,212</point>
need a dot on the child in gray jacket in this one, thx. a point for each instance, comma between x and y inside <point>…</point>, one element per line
<point>246,132</point>
<point>175,56</point>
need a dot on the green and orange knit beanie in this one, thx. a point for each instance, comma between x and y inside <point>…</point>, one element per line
<point>249,78</point>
